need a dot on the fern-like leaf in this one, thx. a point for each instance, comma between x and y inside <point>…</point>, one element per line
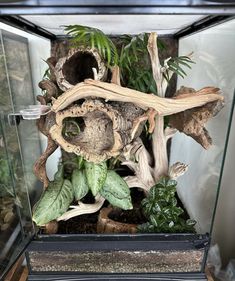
<point>177,65</point>
<point>94,38</point>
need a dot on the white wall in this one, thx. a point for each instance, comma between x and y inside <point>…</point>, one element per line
<point>39,51</point>
<point>214,54</point>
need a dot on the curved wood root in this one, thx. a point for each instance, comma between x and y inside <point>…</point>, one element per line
<point>40,164</point>
<point>107,225</point>
<point>141,165</point>
<point>50,88</point>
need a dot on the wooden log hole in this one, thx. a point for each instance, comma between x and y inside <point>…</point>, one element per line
<point>92,132</point>
<point>79,67</point>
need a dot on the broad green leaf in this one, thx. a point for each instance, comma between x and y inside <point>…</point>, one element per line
<point>116,191</point>
<point>115,185</point>
<point>124,203</point>
<point>79,183</point>
<point>96,175</point>
<point>55,200</point>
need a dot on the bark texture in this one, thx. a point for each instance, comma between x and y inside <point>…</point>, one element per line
<point>77,66</point>
<point>106,129</point>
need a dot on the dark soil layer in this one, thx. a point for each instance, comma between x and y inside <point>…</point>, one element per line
<point>81,224</point>
<point>133,216</point>
<point>88,223</point>
<point>130,216</point>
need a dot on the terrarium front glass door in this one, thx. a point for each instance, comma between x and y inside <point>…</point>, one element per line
<point>16,155</point>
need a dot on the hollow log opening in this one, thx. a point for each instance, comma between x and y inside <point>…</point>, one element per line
<point>72,127</point>
<point>79,67</point>
<point>93,132</point>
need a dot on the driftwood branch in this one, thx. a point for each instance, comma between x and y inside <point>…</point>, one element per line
<point>137,158</point>
<point>177,170</point>
<point>133,181</point>
<point>82,209</point>
<point>112,92</point>
<point>159,143</point>
<point>116,76</point>
<point>156,66</point>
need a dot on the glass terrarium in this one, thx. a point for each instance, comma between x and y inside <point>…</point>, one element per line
<point>113,170</point>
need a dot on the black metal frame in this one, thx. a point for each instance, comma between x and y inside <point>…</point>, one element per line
<point>212,7</point>
<point>10,14</point>
<point>215,11</point>
<point>25,25</point>
<point>201,25</point>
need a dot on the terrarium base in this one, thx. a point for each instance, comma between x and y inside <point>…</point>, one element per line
<point>117,254</point>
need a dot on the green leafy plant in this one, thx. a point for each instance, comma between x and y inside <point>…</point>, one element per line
<point>136,67</point>
<point>55,200</point>
<point>96,175</point>
<point>162,211</point>
<point>176,65</point>
<point>93,38</point>
<point>105,182</point>
<point>86,177</point>
<point>134,62</point>
<point>116,191</point>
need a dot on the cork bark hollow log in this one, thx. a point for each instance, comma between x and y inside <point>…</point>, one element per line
<point>77,66</point>
<point>104,128</point>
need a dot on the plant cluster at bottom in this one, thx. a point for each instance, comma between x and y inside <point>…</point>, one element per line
<point>162,211</point>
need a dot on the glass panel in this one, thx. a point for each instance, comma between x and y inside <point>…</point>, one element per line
<point>19,147</point>
<point>215,66</point>
<point>119,24</point>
